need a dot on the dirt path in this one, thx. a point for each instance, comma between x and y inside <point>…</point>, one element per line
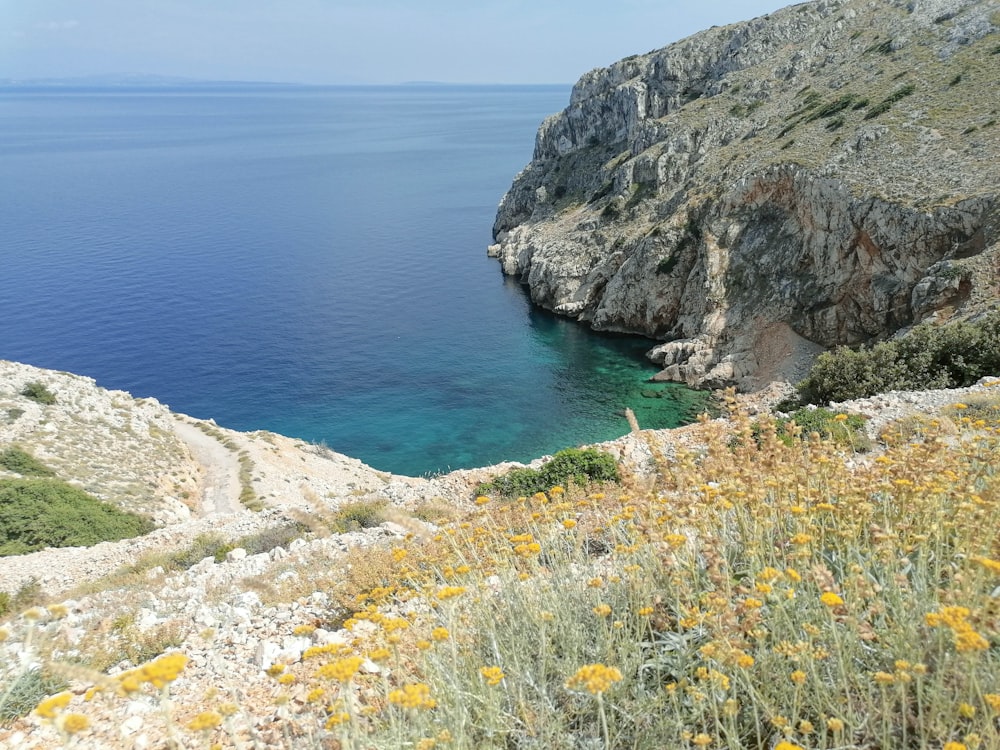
<point>221,484</point>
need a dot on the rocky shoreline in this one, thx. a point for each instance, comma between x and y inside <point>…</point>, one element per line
<point>814,177</point>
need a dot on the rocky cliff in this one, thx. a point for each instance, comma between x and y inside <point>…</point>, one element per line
<point>827,174</point>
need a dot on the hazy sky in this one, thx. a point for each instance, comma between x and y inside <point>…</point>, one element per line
<point>347,41</point>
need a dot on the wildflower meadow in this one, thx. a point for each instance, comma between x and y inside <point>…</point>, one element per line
<point>762,592</point>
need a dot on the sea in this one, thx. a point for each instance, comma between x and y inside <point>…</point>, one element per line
<point>306,260</point>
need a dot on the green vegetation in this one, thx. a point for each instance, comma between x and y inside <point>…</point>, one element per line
<point>28,595</point>
<point>216,546</point>
<point>883,48</point>
<point>39,393</point>
<point>845,430</point>
<point>362,514</point>
<point>38,513</point>
<point>668,264</point>
<point>831,108</point>
<point>248,497</point>
<point>884,105</point>
<point>21,462</point>
<point>24,693</point>
<point>580,466</point>
<point>930,356</point>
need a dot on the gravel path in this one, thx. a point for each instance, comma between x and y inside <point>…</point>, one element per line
<point>221,486</point>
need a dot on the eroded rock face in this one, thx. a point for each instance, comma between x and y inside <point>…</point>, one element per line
<point>824,175</point>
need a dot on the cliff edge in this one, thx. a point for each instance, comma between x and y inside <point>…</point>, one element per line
<point>828,174</point>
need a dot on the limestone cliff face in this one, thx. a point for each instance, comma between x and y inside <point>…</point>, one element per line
<point>827,174</point>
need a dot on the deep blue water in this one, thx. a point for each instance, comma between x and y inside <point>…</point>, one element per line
<point>307,261</point>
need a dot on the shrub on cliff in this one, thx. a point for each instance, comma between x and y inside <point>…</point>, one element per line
<point>577,465</point>
<point>38,513</point>
<point>21,462</point>
<point>39,393</point>
<point>930,356</point>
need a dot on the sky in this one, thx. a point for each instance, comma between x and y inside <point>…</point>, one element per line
<point>347,41</point>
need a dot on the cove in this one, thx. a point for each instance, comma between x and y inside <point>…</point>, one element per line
<point>305,260</point>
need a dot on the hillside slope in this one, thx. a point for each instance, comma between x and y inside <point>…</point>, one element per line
<point>824,175</point>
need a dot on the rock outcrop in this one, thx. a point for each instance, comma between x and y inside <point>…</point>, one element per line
<point>828,174</point>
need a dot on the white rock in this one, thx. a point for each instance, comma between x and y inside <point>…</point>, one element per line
<point>266,654</point>
<point>131,725</point>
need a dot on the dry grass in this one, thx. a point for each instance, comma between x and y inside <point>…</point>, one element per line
<point>758,594</point>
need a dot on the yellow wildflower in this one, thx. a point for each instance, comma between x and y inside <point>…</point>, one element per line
<point>440,634</point>
<point>701,740</point>
<point>342,670</point>
<point>594,678</point>
<point>966,710</point>
<point>163,670</point>
<point>337,718</point>
<point>205,721</point>
<point>991,565</point>
<point>835,725</point>
<point>492,675</point>
<point>798,677</point>
<point>52,705</point>
<point>450,592</point>
<point>602,610</point>
<point>74,723</point>
<point>831,599</point>
<point>413,696</point>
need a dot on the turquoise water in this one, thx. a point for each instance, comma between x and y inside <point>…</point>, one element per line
<point>307,261</point>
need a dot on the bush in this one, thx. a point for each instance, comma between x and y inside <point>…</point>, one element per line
<point>829,425</point>
<point>930,356</point>
<point>578,465</point>
<point>38,513</point>
<point>202,546</point>
<point>21,462</point>
<point>884,105</point>
<point>363,514</point>
<point>268,539</point>
<point>39,393</point>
